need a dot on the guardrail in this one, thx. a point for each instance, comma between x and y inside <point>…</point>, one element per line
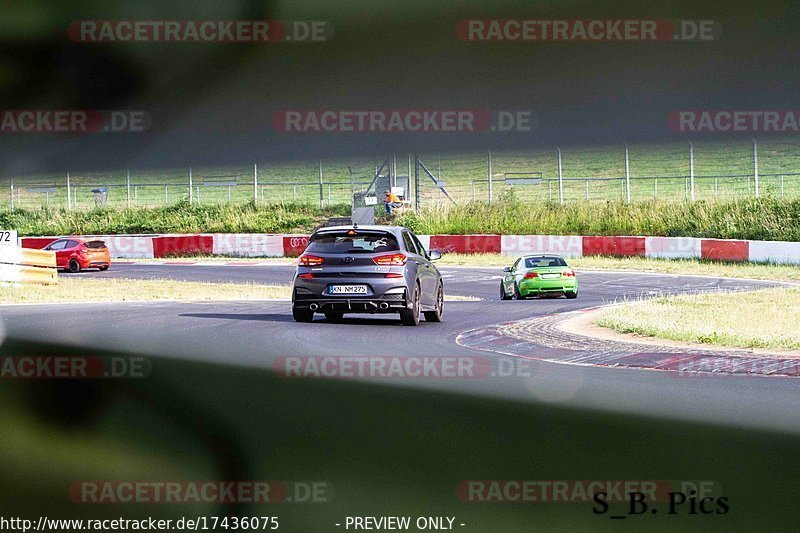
<point>26,266</point>
<point>292,245</point>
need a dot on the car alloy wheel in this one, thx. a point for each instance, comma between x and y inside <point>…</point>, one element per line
<point>517,294</point>
<point>410,317</point>
<point>503,295</point>
<point>436,315</point>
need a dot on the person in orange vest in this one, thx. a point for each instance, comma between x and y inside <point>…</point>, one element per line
<point>391,201</point>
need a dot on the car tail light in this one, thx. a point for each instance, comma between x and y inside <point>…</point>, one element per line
<point>394,275</point>
<point>305,276</point>
<point>391,259</point>
<point>310,260</point>
<point>531,275</point>
<point>569,274</point>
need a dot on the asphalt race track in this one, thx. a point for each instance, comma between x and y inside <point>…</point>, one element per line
<point>258,334</point>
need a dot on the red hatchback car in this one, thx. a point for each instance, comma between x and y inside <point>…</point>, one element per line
<point>75,254</point>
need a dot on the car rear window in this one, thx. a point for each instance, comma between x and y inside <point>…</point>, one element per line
<point>345,243</point>
<point>95,244</point>
<point>544,262</point>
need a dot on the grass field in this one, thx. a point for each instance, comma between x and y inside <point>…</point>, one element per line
<point>131,290</point>
<point>694,267</point>
<point>723,169</point>
<point>126,290</point>
<point>768,318</point>
<point>748,218</point>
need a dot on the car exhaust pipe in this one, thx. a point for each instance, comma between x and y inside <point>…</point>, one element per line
<point>384,305</point>
<point>313,307</point>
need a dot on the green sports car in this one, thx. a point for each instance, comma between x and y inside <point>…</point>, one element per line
<point>538,274</point>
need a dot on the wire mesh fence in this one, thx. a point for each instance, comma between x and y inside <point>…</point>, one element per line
<point>672,172</point>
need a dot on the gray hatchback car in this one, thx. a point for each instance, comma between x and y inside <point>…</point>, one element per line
<point>367,269</point>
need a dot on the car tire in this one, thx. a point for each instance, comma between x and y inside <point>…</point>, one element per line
<point>103,269</point>
<point>517,294</point>
<point>74,266</point>
<point>503,295</point>
<point>333,316</point>
<point>410,317</point>
<point>437,314</point>
<point>302,315</point>
<point>571,295</point>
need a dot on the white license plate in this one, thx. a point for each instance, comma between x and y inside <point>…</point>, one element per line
<point>348,289</point>
<point>550,276</point>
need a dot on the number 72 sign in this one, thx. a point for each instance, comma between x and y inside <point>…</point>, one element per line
<point>8,237</point>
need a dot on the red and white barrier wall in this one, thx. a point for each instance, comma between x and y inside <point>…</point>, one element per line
<point>272,245</point>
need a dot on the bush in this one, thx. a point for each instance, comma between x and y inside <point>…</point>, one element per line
<point>177,218</point>
<point>766,218</point>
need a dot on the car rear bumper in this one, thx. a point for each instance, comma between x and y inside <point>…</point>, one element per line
<point>547,286</point>
<point>384,296</point>
<point>95,263</point>
<point>351,305</point>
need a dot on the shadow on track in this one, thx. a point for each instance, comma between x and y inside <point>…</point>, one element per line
<point>269,317</point>
<point>274,317</point>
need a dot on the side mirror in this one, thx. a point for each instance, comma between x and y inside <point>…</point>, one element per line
<point>507,269</point>
<point>435,255</point>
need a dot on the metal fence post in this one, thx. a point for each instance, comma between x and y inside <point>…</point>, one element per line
<point>69,194</point>
<point>489,172</point>
<point>128,183</point>
<point>191,191</point>
<point>12,194</point>
<point>587,188</point>
<point>255,182</point>
<point>416,181</point>
<point>627,175</point>
<point>408,193</point>
<point>560,179</point>
<point>353,185</point>
<point>755,166</point>
<point>691,171</point>
<point>320,184</point>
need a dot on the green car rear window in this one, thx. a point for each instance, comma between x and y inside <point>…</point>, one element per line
<point>544,262</point>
